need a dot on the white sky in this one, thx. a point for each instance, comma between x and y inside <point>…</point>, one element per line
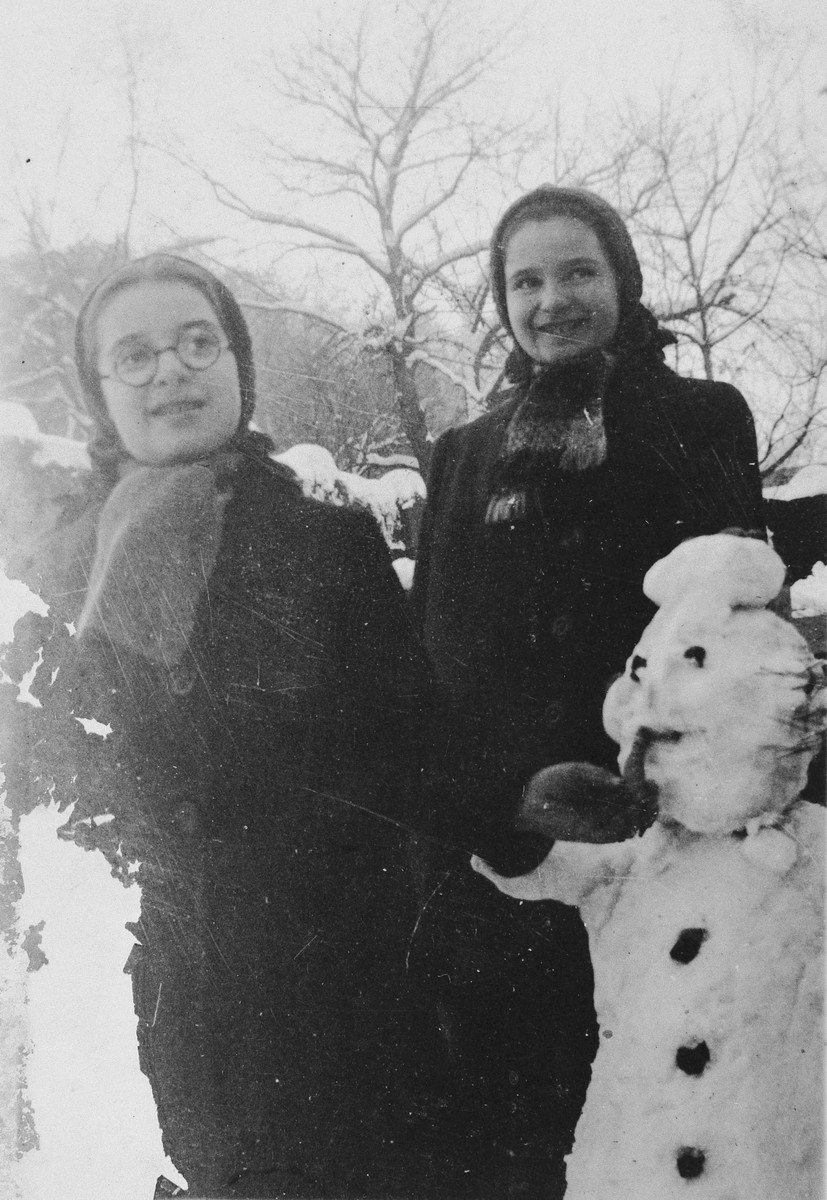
<point>62,75</point>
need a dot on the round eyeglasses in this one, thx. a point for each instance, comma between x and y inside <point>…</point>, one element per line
<point>136,363</point>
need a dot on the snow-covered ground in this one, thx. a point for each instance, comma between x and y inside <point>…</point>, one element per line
<point>77,1115</point>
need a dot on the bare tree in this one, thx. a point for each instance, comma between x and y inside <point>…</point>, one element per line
<point>394,152</point>
<point>728,217</point>
<point>43,288</point>
<point>316,383</point>
<point>46,280</point>
<point>727,210</point>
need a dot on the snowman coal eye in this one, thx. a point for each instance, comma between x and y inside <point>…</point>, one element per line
<point>638,663</point>
<point>813,680</point>
<point>697,654</point>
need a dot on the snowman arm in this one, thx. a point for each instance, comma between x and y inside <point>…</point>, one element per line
<point>592,815</point>
<point>569,873</point>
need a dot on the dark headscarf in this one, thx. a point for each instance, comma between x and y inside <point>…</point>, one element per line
<point>637,328</point>
<point>147,537</point>
<point>558,425</point>
<point>105,448</point>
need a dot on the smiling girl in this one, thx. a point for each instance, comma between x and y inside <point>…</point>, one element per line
<point>542,518</point>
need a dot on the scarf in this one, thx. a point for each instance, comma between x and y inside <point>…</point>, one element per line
<point>558,425</point>
<point>158,535</point>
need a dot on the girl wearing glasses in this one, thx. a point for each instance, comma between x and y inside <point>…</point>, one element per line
<point>249,650</point>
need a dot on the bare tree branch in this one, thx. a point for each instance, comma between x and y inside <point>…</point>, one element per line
<point>301,310</point>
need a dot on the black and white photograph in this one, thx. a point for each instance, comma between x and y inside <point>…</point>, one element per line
<point>413,599</point>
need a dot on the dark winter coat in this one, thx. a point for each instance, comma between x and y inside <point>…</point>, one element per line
<point>525,625</point>
<point>266,791</point>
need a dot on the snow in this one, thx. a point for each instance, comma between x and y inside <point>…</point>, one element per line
<point>315,467</point>
<point>15,600</point>
<point>77,1113</point>
<point>386,498</point>
<point>16,421</point>
<point>402,487</point>
<point>62,452</point>
<point>24,694</point>
<point>404,568</point>
<point>752,995</point>
<point>92,1107</point>
<point>809,481</point>
<point>374,458</point>
<point>97,727</point>
<point>809,596</point>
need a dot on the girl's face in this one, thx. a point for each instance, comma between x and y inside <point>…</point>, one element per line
<point>183,413</point>
<point>561,293</point>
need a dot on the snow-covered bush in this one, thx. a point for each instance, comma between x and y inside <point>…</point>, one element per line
<point>37,472</point>
<point>809,596</point>
<point>396,493</point>
<point>809,481</point>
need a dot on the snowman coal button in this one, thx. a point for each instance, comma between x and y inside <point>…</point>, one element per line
<point>690,1162</point>
<point>693,1059</point>
<point>688,944</point>
<point>561,626</point>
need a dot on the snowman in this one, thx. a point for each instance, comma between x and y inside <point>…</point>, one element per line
<point>706,930</point>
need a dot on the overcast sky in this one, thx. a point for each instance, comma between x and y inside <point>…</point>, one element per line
<point>66,116</point>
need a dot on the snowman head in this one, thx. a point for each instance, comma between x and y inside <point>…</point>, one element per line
<point>729,694</point>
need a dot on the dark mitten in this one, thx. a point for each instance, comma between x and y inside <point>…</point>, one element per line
<point>579,802</point>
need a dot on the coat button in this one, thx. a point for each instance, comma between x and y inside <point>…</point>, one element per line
<point>554,713</point>
<point>560,627</point>
<point>182,678</point>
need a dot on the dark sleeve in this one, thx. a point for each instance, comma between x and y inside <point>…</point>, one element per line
<point>440,465</point>
<point>385,683</point>
<point>449,812</point>
<point>379,652</point>
<point>725,491</point>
